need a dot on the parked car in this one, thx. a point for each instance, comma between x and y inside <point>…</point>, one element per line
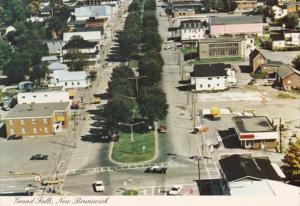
<point>39,157</point>
<point>14,137</point>
<point>156,169</point>
<point>162,129</point>
<point>175,190</point>
<point>98,186</point>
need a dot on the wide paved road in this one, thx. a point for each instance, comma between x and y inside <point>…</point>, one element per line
<point>122,178</point>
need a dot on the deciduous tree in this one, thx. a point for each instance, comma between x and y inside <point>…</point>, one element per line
<point>153,103</point>
<point>292,161</point>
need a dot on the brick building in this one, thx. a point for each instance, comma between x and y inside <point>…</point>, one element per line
<point>37,119</point>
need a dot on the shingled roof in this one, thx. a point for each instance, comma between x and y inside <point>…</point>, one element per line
<point>237,167</point>
<point>209,70</point>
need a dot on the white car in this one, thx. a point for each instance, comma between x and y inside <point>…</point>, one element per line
<point>98,186</point>
<point>175,190</point>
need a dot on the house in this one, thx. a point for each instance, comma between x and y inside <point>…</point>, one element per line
<point>89,51</point>
<point>183,12</point>
<point>206,77</point>
<point>234,25</point>
<point>256,132</point>
<point>279,12</point>
<point>245,167</point>
<point>254,176</point>
<point>287,78</point>
<point>262,188</point>
<point>43,96</point>
<point>225,47</point>
<point>256,59</point>
<point>89,2</point>
<point>97,12</point>
<point>57,66</point>
<point>245,5</point>
<point>294,8</point>
<point>192,30</point>
<point>285,39</point>
<point>55,46</point>
<point>96,24</point>
<point>91,36</point>
<point>69,80</point>
<point>41,119</point>
<point>285,2</point>
<point>50,59</point>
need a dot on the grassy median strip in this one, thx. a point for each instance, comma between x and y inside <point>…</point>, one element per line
<point>143,147</point>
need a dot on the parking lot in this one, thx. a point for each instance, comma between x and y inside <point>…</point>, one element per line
<point>16,154</point>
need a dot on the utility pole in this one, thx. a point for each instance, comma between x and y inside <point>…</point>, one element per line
<point>193,110</point>
<point>280,148</point>
<point>74,129</point>
<point>202,136</point>
<point>180,63</point>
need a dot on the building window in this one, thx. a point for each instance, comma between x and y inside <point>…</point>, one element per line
<point>201,86</point>
<point>78,83</point>
<point>46,130</point>
<point>22,121</point>
<point>218,77</point>
<point>33,121</point>
<point>208,85</point>
<point>209,78</point>
<point>34,131</point>
<point>218,84</point>
<point>12,131</point>
<point>72,83</point>
<point>11,122</point>
<point>23,131</point>
<point>45,121</point>
<point>23,97</point>
<point>45,95</point>
<point>66,83</point>
<point>34,96</point>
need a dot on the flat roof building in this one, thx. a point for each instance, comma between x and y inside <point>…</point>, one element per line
<point>37,119</point>
<point>256,132</point>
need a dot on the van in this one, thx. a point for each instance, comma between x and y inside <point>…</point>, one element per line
<point>215,113</point>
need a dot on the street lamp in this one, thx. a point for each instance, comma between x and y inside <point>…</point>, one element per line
<point>131,128</point>
<point>136,82</point>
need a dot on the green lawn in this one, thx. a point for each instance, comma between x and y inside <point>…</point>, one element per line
<point>215,60</point>
<point>187,50</point>
<point>122,151</point>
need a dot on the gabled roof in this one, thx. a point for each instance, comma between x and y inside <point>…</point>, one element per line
<point>93,11</point>
<point>236,20</point>
<point>209,70</point>
<point>254,53</point>
<point>237,167</point>
<point>92,36</point>
<point>64,75</point>
<point>285,70</point>
<point>57,66</point>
